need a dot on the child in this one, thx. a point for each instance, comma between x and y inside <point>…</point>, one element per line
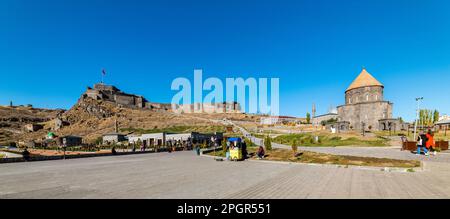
<point>420,144</point>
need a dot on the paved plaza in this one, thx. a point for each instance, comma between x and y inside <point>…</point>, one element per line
<point>184,175</point>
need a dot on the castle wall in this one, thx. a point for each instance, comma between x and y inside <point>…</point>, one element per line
<point>124,100</point>
<point>94,94</point>
<point>368,112</point>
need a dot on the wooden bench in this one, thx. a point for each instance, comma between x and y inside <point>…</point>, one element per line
<point>443,145</point>
<point>409,146</point>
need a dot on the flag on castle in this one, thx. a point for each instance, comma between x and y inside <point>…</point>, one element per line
<point>103,75</point>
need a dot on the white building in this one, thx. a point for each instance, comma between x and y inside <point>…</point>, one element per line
<point>444,117</point>
<point>273,120</point>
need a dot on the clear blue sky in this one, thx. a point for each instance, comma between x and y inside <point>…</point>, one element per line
<point>51,50</point>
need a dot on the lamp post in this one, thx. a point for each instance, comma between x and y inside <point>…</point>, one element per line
<point>417,116</point>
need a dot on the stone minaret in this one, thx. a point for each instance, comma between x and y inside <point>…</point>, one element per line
<point>313,110</point>
<point>313,113</point>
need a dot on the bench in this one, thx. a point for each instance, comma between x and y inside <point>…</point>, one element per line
<point>409,146</point>
<point>443,145</point>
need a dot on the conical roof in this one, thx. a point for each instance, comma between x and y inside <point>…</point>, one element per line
<point>364,79</point>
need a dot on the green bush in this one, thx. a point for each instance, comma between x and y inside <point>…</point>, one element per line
<point>224,145</point>
<point>268,143</point>
<point>336,138</point>
<point>204,145</point>
<point>294,146</point>
<point>99,141</point>
<point>249,143</point>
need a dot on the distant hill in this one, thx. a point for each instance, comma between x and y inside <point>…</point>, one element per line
<point>90,118</point>
<point>14,119</point>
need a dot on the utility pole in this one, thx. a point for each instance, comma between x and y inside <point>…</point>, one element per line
<point>417,116</point>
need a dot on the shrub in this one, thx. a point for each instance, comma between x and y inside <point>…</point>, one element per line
<point>224,145</point>
<point>99,141</point>
<point>204,145</point>
<point>336,138</point>
<point>249,142</point>
<point>268,143</point>
<point>294,146</point>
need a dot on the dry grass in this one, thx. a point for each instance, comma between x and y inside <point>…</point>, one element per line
<point>328,139</point>
<point>321,158</point>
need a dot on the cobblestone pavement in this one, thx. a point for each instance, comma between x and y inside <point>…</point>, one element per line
<point>184,175</point>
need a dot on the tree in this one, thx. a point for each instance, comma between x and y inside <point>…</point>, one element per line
<point>425,117</point>
<point>268,143</point>
<point>224,145</point>
<point>204,145</point>
<point>294,146</point>
<point>436,116</point>
<point>308,118</point>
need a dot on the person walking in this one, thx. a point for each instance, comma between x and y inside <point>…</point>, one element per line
<point>430,144</point>
<point>26,154</point>
<point>421,141</point>
<point>244,150</point>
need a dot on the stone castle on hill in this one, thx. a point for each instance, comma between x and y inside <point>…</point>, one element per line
<point>112,94</point>
<point>364,108</point>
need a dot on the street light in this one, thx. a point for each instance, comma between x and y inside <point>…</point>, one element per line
<point>417,116</point>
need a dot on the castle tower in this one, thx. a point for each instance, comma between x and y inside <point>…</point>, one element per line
<point>365,88</point>
<point>364,103</point>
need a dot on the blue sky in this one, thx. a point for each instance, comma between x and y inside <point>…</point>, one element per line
<point>50,51</point>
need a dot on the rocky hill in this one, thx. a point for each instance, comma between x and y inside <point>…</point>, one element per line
<point>91,118</point>
<point>13,120</point>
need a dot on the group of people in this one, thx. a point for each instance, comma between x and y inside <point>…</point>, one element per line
<point>260,153</point>
<point>242,145</point>
<point>426,143</point>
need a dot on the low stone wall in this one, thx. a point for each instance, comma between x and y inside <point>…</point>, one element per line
<point>207,150</point>
<point>60,157</point>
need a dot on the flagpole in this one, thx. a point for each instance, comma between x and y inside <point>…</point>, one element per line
<point>103,76</point>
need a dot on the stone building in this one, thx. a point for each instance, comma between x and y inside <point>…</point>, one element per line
<point>113,138</point>
<point>33,127</point>
<point>324,119</point>
<point>279,120</point>
<point>222,107</point>
<point>365,107</point>
<point>113,94</point>
<point>70,141</point>
<point>162,139</point>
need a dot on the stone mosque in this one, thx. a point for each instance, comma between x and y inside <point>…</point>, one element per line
<point>365,107</point>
